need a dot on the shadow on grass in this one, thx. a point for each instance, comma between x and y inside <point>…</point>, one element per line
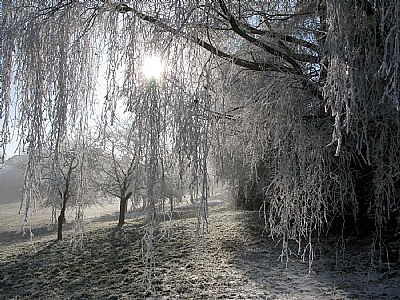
<point>109,265</point>
<point>18,236</point>
<point>336,272</point>
<point>237,258</point>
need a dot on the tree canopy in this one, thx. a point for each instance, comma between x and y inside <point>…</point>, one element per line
<point>295,103</point>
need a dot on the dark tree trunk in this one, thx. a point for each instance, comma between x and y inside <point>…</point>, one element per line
<point>122,210</point>
<point>191,198</point>
<point>251,194</point>
<point>61,218</point>
<point>171,203</point>
<point>364,224</point>
<point>64,195</point>
<point>163,205</point>
<point>123,205</point>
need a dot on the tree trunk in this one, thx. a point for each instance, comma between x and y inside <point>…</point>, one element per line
<point>171,203</point>
<point>191,198</point>
<point>61,218</point>
<point>61,221</point>
<point>122,210</point>
<point>123,205</point>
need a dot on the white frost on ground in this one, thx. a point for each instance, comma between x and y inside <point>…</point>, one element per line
<point>233,261</point>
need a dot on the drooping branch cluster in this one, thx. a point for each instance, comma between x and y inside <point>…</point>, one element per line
<point>283,133</point>
<point>272,87</point>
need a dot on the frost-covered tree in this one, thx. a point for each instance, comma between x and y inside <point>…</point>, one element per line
<point>317,148</point>
<point>117,167</point>
<point>299,98</point>
<point>60,185</point>
<point>65,191</point>
<point>282,122</point>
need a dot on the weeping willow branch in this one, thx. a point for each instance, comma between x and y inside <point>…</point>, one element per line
<point>258,92</point>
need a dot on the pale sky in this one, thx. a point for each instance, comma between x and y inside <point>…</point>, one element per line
<point>152,68</point>
<point>11,148</point>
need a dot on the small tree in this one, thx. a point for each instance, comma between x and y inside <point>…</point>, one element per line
<point>62,185</point>
<point>117,165</point>
<point>65,191</point>
<point>121,183</point>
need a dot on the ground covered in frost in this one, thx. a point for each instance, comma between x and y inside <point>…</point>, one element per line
<point>233,261</point>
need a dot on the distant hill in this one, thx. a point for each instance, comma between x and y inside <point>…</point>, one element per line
<point>12,179</point>
<point>18,161</point>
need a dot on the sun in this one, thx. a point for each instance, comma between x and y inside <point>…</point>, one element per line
<point>152,67</point>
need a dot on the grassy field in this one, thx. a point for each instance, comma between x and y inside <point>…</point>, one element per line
<point>233,261</point>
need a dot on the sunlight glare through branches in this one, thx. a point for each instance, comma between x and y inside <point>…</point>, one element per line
<point>152,67</point>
